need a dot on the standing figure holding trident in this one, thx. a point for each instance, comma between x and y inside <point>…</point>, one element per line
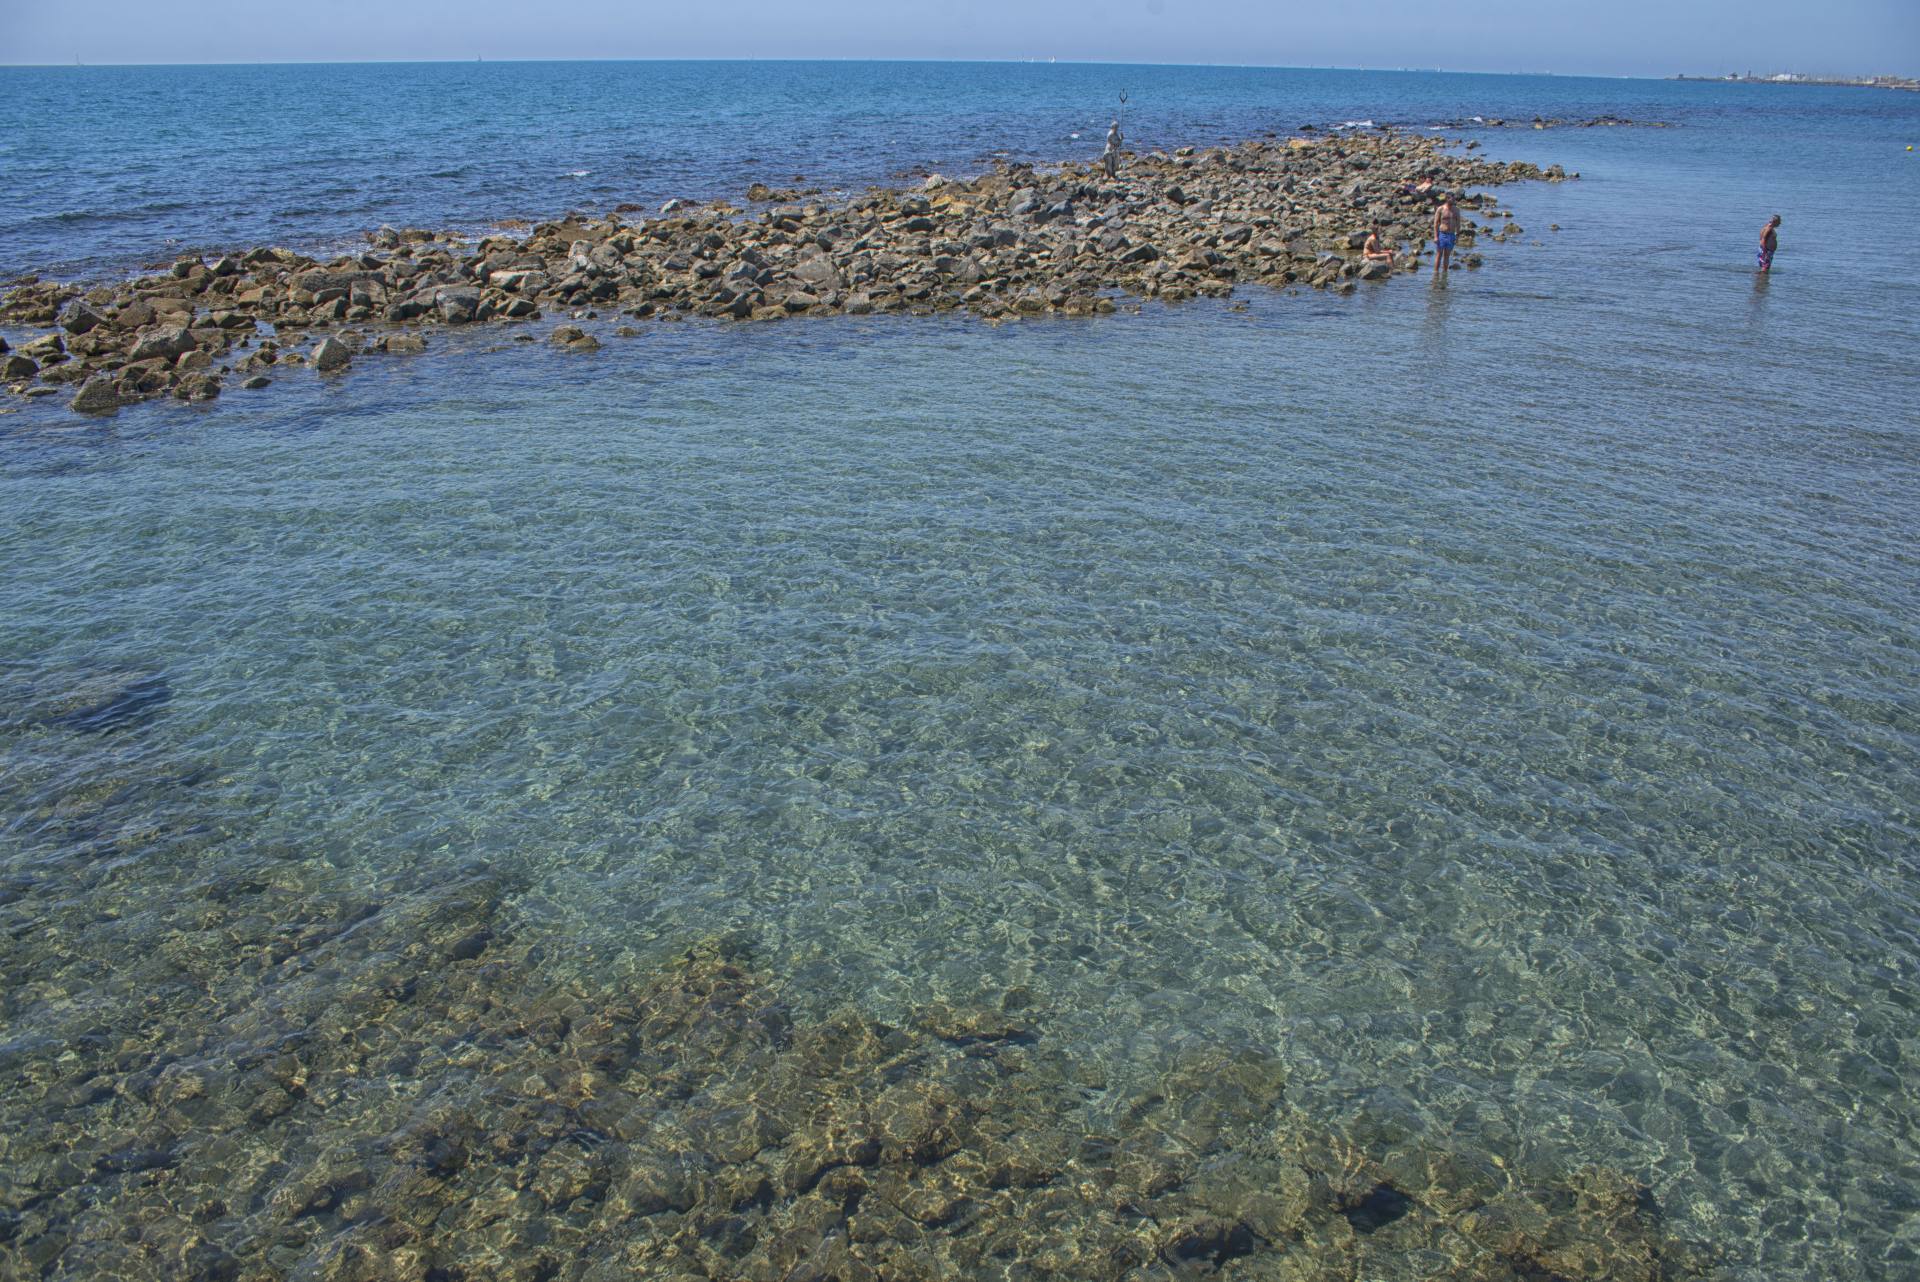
<point>1110,158</point>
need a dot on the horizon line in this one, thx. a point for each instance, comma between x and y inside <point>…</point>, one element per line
<point>1049,61</point>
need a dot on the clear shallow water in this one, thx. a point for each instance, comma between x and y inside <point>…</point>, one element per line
<point>113,167</point>
<point>1495,702</point>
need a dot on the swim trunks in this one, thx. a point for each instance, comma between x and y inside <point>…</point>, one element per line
<point>1444,240</point>
<point>1765,257</point>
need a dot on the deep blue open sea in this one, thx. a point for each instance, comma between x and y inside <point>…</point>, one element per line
<point>1501,702</point>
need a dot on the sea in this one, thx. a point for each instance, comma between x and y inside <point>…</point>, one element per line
<point>1495,702</point>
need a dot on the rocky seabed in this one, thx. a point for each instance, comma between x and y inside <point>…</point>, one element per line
<point>1015,242</point>
<point>250,1066</point>
<point>352,1090</point>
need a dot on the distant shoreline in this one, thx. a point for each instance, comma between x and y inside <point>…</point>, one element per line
<point>1851,82</point>
<point>745,60</point>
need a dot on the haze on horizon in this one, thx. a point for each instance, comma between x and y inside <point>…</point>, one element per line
<point>1625,37</point>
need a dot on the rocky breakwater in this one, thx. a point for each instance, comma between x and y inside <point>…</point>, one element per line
<point>1018,241</point>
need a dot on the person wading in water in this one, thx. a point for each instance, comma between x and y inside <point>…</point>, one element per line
<point>1446,233</point>
<point>1769,241</point>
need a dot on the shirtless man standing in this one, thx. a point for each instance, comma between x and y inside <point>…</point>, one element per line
<point>1769,241</point>
<point>1111,156</point>
<point>1446,233</point>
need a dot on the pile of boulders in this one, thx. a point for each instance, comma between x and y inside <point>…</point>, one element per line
<point>1016,241</point>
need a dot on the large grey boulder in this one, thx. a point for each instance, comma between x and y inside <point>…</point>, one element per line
<point>134,315</point>
<point>457,304</point>
<point>330,355</point>
<point>166,343</point>
<point>198,387</point>
<point>98,395</point>
<point>528,281</point>
<point>77,318</point>
<point>819,272</point>
<point>416,304</point>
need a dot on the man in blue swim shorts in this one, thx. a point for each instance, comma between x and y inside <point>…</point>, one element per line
<point>1769,241</point>
<point>1446,233</point>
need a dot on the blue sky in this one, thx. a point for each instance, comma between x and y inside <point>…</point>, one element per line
<point>1605,37</point>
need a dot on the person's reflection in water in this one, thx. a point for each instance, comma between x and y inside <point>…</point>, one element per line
<point>1435,329</point>
<point>1757,307</point>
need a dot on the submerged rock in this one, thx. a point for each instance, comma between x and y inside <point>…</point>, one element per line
<point>91,702</point>
<point>573,338</point>
<point>397,1087</point>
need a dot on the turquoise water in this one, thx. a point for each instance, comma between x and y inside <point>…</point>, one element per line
<point>1496,702</point>
<point>113,167</point>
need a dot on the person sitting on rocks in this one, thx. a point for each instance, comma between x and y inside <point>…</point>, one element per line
<point>1111,156</point>
<point>1446,233</point>
<point>1378,248</point>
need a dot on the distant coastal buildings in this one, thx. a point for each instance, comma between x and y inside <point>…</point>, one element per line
<point>1796,78</point>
